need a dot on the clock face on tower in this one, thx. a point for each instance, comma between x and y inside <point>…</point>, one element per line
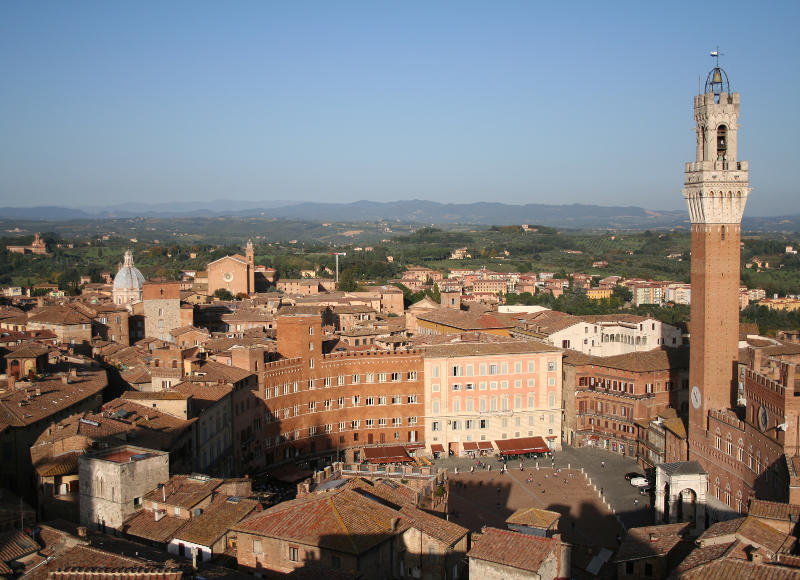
<point>696,397</point>
<point>228,276</point>
<point>763,418</point>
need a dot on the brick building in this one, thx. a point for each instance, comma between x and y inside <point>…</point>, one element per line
<point>613,393</point>
<point>321,407</point>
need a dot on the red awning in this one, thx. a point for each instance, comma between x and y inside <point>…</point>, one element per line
<point>485,445</point>
<point>470,446</point>
<point>522,445</point>
<point>414,445</point>
<point>437,448</point>
<point>392,454</point>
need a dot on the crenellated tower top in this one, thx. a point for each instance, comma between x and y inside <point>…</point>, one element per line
<point>716,186</point>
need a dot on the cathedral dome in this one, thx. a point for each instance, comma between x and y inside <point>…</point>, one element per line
<point>129,277</point>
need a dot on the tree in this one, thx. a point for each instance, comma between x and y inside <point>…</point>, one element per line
<point>347,281</point>
<point>223,294</point>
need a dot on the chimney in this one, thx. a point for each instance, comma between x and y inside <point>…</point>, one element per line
<point>394,523</point>
<point>81,531</point>
<point>653,537</point>
<point>65,379</point>
<point>757,555</point>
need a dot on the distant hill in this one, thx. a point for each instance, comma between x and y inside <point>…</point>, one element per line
<point>410,211</point>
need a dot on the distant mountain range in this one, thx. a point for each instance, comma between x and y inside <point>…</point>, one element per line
<point>410,211</point>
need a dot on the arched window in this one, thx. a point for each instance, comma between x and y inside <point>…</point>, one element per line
<point>722,143</point>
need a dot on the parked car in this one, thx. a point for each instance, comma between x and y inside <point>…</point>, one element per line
<point>631,474</point>
<point>640,482</point>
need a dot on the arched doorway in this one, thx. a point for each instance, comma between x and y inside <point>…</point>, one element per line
<point>687,505</point>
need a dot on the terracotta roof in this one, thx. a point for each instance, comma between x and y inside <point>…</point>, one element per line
<point>94,558</point>
<point>344,521</point>
<point>728,568</point>
<point>184,491</point>
<point>169,395</point>
<point>28,350</point>
<point>59,315</point>
<point>100,573</point>
<point>14,545</point>
<point>649,541</point>
<point>22,406</point>
<point>487,348</point>
<point>58,465</point>
<point>513,549</point>
<point>446,532</point>
<point>462,320</point>
<point>143,524</point>
<point>533,517</point>
<point>650,360</point>
<point>203,396</point>
<point>772,510</point>
<point>748,529</point>
<point>216,520</point>
<point>214,372</point>
<point>185,329</point>
<point>702,555</point>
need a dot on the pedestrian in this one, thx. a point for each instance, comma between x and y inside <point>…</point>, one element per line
<point>635,502</point>
<point>603,464</point>
<point>520,465</point>
<point>472,469</point>
<point>601,491</point>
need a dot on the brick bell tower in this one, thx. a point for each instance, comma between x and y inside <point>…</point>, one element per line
<point>716,191</point>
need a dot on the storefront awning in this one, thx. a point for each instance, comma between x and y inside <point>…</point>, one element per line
<point>485,445</point>
<point>391,454</point>
<point>521,446</point>
<point>437,448</point>
<point>470,446</point>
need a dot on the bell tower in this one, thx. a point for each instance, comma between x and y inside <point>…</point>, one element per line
<point>716,190</point>
<point>250,256</point>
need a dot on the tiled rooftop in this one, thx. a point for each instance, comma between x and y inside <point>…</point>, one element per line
<point>513,549</point>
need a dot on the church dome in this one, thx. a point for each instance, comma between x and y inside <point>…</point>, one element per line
<point>129,277</point>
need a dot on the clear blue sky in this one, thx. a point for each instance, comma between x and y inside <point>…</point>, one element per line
<point>550,102</point>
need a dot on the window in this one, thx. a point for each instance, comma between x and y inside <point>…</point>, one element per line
<point>504,368</point>
<point>482,385</point>
<point>382,377</point>
<point>435,406</point>
<point>412,420</point>
<point>256,546</point>
<point>355,379</point>
<point>469,387</point>
<point>435,371</point>
<point>436,426</point>
<point>456,387</point>
<point>310,331</point>
<point>435,387</point>
<point>369,401</point>
<point>531,366</point>
<point>412,375</point>
<point>470,370</point>
<point>340,380</point>
<point>411,399</point>
<point>294,553</point>
<point>503,384</point>
<point>552,366</point>
<point>397,400</point>
<point>397,377</point>
<point>355,424</point>
<point>369,423</point>
<point>327,381</point>
<point>381,400</point>
<point>484,423</point>
<point>356,400</point>
<point>518,367</point>
<point>457,371</point>
<point>369,378</point>
<point>493,369</point>
<point>482,369</point>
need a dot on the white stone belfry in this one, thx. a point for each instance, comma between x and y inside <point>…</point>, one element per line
<point>716,186</point>
<point>128,282</point>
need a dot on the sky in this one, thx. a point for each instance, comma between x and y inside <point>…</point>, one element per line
<point>105,103</point>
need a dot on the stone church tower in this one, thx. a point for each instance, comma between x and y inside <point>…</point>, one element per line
<point>716,191</point>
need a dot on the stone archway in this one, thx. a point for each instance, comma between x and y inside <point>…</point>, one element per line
<point>681,493</point>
